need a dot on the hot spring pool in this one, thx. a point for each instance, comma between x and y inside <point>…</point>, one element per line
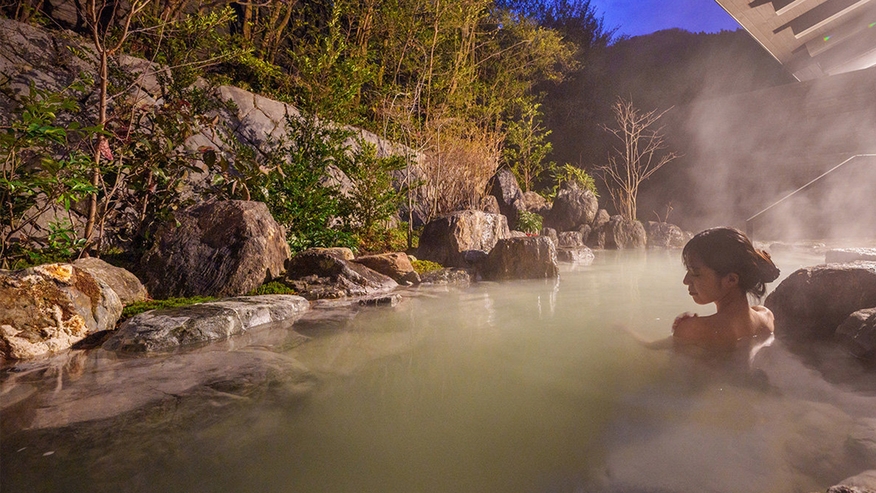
<point>526,386</point>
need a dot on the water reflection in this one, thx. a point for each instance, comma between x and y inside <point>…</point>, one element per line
<point>516,387</point>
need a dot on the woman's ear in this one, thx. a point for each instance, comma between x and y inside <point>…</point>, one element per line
<point>732,279</point>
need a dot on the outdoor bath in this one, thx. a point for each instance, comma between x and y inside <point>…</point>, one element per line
<point>524,386</point>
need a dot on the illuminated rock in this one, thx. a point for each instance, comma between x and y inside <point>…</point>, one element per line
<point>48,308</point>
<point>521,258</point>
<point>221,248</point>
<point>461,238</point>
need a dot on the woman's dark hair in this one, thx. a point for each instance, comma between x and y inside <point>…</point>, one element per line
<point>728,250</point>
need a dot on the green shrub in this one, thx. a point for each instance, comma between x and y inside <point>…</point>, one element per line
<point>568,173</point>
<point>529,222</point>
<point>44,163</point>
<point>426,266</point>
<point>273,287</point>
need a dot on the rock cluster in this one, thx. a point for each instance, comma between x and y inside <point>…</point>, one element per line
<point>829,302</point>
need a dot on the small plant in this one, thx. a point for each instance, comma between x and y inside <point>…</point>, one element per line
<point>273,287</point>
<point>573,175</point>
<point>42,165</point>
<point>529,222</point>
<point>144,306</point>
<point>426,266</point>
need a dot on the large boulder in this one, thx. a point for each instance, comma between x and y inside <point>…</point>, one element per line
<point>217,248</point>
<point>665,235</point>
<point>48,308</point>
<point>161,330</point>
<point>857,334</point>
<point>864,482</point>
<point>573,207</point>
<point>319,274</point>
<point>462,238</point>
<point>504,186</point>
<point>812,302</point>
<point>396,265</point>
<point>521,258</point>
<point>125,284</point>
<point>621,233</point>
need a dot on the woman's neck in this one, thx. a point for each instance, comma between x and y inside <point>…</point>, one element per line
<point>734,302</point>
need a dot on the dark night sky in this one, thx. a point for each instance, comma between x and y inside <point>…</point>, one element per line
<point>635,17</point>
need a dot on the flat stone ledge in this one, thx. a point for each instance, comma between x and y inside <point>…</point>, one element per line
<point>845,255</point>
<point>159,330</point>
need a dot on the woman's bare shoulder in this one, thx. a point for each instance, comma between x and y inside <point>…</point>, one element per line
<point>691,328</point>
<point>765,319</point>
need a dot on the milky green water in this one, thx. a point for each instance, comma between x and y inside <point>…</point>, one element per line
<point>527,386</point>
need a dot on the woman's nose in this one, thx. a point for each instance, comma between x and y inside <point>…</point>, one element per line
<point>686,281</point>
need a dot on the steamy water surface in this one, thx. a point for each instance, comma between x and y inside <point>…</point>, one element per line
<point>526,386</point>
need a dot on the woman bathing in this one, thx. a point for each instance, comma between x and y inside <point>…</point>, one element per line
<point>723,267</point>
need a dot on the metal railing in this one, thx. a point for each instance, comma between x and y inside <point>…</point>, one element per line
<point>749,226</point>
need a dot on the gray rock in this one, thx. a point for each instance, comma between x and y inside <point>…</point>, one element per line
<point>573,207</point>
<point>160,330</point>
<point>585,231</point>
<point>570,239</point>
<point>317,274</point>
<point>388,300</point>
<point>504,186</point>
<point>580,255</point>
<point>218,248</point>
<point>665,235</point>
<point>534,202</point>
<point>48,308</point>
<point>812,302</point>
<point>490,205</point>
<point>597,238</point>
<point>450,276</point>
<point>521,258</point>
<point>858,334</point>
<point>602,218</point>
<point>552,234</point>
<point>861,483</point>
<point>624,234</point>
<point>455,239</point>
<point>124,283</point>
<point>845,255</point>
<point>395,265</point>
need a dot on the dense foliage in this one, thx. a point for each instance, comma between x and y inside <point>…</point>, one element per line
<point>465,86</point>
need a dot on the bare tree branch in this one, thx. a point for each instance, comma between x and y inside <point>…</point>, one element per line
<point>639,154</point>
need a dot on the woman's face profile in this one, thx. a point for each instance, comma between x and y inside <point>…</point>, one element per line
<point>704,284</point>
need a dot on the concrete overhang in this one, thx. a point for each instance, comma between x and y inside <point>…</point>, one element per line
<point>811,38</point>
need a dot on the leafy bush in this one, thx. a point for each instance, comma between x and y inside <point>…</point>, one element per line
<point>426,266</point>
<point>574,175</point>
<point>529,222</point>
<point>295,189</point>
<point>44,164</point>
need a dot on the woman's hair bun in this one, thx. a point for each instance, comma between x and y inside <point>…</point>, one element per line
<point>767,268</point>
